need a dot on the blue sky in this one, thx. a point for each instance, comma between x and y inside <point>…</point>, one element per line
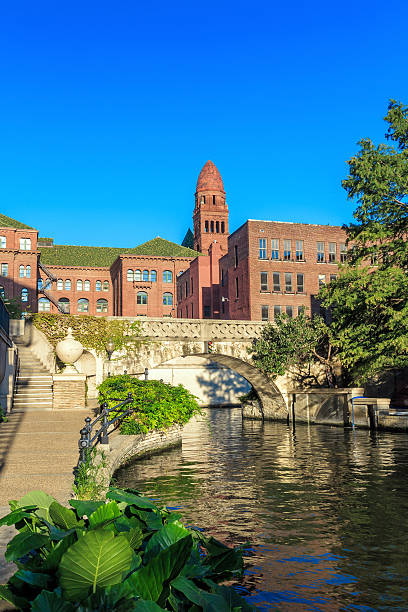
<point>109,110</point>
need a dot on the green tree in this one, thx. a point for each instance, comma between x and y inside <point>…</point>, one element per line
<point>369,300</point>
<point>296,345</point>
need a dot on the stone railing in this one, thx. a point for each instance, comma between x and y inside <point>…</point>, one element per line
<point>196,329</point>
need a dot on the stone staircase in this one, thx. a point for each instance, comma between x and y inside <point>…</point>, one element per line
<point>33,383</point>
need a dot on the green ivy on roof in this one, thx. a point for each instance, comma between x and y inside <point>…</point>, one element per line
<point>9,222</point>
<point>69,255</point>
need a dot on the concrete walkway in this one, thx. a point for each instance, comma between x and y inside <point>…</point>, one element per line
<point>38,450</point>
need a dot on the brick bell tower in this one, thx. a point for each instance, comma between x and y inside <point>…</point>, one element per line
<point>210,216</point>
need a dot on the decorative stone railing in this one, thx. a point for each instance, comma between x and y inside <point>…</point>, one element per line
<point>201,330</point>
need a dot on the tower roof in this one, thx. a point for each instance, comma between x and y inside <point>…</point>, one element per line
<point>209,178</point>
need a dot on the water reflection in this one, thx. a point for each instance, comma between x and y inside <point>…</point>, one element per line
<point>325,509</point>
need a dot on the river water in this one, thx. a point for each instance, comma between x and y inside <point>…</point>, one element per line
<point>325,509</point>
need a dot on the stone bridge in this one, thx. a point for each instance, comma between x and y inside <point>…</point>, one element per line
<point>173,338</point>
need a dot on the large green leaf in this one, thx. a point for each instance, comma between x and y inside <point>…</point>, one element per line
<point>104,514</point>
<point>165,537</point>
<point>228,562</point>
<point>33,578</point>
<point>85,508</point>
<point>63,517</point>
<point>151,581</point>
<point>130,498</point>
<point>143,605</point>
<point>16,515</point>
<point>210,602</point>
<point>54,557</point>
<point>18,602</point>
<point>134,537</point>
<point>40,499</point>
<point>23,543</point>
<point>97,559</point>
<point>151,519</point>
<point>48,601</point>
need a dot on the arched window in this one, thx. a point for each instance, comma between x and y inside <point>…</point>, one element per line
<point>98,286</point>
<point>106,285</point>
<point>67,285</point>
<point>24,295</point>
<point>44,305</point>
<point>202,200</point>
<point>145,275</point>
<point>3,242</point>
<point>212,227</point>
<point>138,275</point>
<point>21,272</point>
<point>87,285</point>
<point>153,276</point>
<point>79,285</point>
<point>2,292</point>
<point>64,305</point>
<point>130,276</point>
<point>217,227</point>
<point>83,305</point>
<point>40,284</point>
<point>206,227</point>
<point>47,283</point>
<point>222,227</point>
<point>167,276</point>
<point>141,297</point>
<point>60,284</point>
<point>167,299</point>
<point>28,271</point>
<point>102,306</point>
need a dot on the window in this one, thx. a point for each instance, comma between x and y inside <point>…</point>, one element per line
<point>102,305</point>
<point>320,252</point>
<point>98,285</point>
<point>301,310</point>
<point>145,275</point>
<point>206,312</point>
<point>343,253</point>
<point>141,297</point>
<point>3,242</point>
<point>21,271</point>
<point>299,250</point>
<point>138,275</point>
<point>217,227</point>
<point>212,227</point>
<point>153,276</point>
<point>28,271</point>
<point>83,305</point>
<point>332,252</point>
<point>300,286</point>
<point>60,284</point>
<point>202,199</point>
<point>105,286</point>
<point>47,283</point>
<point>44,305</point>
<point>222,227</point>
<point>167,276</point>
<point>276,281</point>
<point>237,287</point>
<point>322,279</point>
<point>289,311</point>
<point>276,311</point>
<point>24,295</point>
<point>286,250</point>
<point>264,281</point>
<point>167,299</point>
<point>2,292</point>
<point>214,199</point>
<point>288,282</point>
<point>67,285</point>
<point>275,248</point>
<point>191,287</point>
<point>64,305</point>
<point>222,277</point>
<point>206,227</point>
<point>79,285</point>
<point>40,284</point>
<point>4,269</point>
<point>265,313</point>
<point>262,248</point>
<point>186,288</point>
<point>87,285</point>
<point>333,277</point>
<point>374,259</point>
<point>129,276</point>
<point>25,244</point>
<point>236,254</point>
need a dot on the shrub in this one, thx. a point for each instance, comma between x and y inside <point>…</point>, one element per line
<point>158,405</point>
<point>121,554</point>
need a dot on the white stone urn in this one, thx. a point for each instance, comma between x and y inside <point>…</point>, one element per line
<point>69,351</point>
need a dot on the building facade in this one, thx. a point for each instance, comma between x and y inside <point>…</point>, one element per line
<point>263,268</point>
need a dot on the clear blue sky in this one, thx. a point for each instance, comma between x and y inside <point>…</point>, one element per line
<point>110,109</point>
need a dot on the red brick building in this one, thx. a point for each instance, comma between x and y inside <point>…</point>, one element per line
<point>262,268</point>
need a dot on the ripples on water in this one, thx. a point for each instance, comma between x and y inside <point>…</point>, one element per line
<point>325,510</point>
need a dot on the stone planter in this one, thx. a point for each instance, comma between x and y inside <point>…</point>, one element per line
<point>69,351</point>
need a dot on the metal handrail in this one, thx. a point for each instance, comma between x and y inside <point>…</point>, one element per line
<point>87,441</point>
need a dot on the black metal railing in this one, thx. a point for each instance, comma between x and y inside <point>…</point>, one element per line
<point>98,431</point>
